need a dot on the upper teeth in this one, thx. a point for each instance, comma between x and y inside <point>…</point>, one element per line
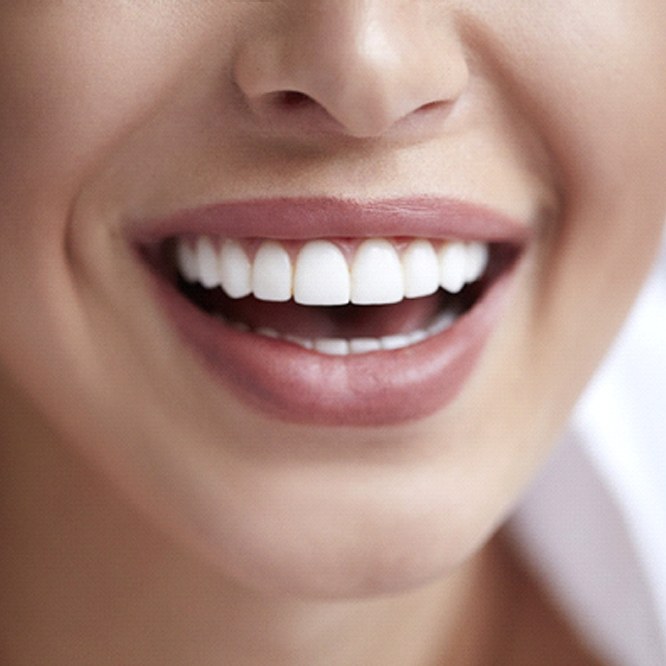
<point>321,274</point>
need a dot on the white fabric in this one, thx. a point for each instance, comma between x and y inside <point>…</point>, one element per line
<point>594,523</point>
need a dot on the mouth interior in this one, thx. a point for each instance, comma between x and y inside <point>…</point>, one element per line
<point>344,321</point>
<point>341,321</point>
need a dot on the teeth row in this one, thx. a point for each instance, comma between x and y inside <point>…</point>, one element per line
<point>345,346</point>
<point>321,274</point>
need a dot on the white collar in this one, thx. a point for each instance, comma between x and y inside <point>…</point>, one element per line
<point>594,523</point>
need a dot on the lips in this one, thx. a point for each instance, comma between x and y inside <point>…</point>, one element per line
<point>336,312</point>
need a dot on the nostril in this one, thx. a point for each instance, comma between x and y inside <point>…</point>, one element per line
<point>431,106</point>
<point>293,99</point>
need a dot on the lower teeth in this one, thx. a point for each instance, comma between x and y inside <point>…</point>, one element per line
<point>351,346</point>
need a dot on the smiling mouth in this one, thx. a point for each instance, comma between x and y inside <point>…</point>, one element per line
<point>336,297</point>
<point>342,329</point>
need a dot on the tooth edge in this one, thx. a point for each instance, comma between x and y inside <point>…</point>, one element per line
<point>420,269</point>
<point>376,274</point>
<point>207,261</point>
<point>477,260</point>
<point>453,266</point>
<point>321,275</point>
<point>186,261</point>
<point>272,273</point>
<point>235,270</point>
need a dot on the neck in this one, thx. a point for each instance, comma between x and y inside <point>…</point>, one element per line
<point>85,579</point>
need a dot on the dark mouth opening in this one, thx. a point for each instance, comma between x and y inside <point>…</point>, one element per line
<point>344,321</point>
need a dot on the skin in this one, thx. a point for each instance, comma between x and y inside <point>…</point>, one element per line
<point>177,525</point>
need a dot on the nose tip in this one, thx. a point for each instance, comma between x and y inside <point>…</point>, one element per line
<point>359,68</point>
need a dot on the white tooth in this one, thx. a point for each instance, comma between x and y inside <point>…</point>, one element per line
<point>417,336</point>
<point>271,273</point>
<point>477,261</point>
<point>376,275</point>
<point>240,326</point>
<point>301,342</point>
<point>332,346</point>
<point>364,345</point>
<point>421,269</point>
<point>453,266</point>
<point>267,332</point>
<point>321,276</point>
<point>444,321</point>
<point>390,342</point>
<point>209,274</point>
<point>235,270</point>
<point>186,260</point>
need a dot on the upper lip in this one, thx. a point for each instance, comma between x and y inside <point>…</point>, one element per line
<point>326,217</point>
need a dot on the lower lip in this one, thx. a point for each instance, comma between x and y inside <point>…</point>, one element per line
<point>380,388</point>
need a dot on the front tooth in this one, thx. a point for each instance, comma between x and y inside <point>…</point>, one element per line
<point>268,332</point>
<point>186,259</point>
<point>272,273</point>
<point>301,342</point>
<point>235,270</point>
<point>376,275</point>
<point>240,326</point>
<point>209,274</point>
<point>321,276</point>
<point>332,346</point>
<point>477,261</point>
<point>391,342</point>
<point>417,336</point>
<point>453,266</point>
<point>421,269</point>
<point>364,345</point>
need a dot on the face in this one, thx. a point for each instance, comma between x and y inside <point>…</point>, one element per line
<point>368,151</point>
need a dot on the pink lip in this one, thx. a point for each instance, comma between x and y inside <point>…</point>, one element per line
<point>297,385</point>
<point>429,217</point>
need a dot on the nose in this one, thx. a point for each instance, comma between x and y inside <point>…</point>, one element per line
<point>363,68</point>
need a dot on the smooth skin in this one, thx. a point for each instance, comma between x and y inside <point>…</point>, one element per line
<point>148,516</point>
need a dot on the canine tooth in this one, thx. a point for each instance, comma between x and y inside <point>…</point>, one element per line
<point>240,326</point>
<point>417,336</point>
<point>186,260</point>
<point>364,345</point>
<point>420,269</point>
<point>390,342</point>
<point>321,276</point>
<point>207,260</point>
<point>235,270</point>
<point>376,274</point>
<point>272,273</point>
<point>453,266</point>
<point>301,342</point>
<point>332,346</point>
<point>267,332</point>
<point>477,261</point>
<point>444,321</point>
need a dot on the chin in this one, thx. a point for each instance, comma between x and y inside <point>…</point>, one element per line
<point>330,538</point>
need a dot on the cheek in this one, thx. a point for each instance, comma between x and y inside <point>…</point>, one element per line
<point>73,85</point>
<point>79,84</point>
<point>596,91</point>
